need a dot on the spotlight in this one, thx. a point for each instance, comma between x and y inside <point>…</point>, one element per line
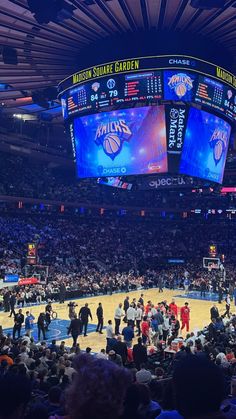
<point>39,99</point>
<point>9,55</point>
<point>207,4</point>
<point>44,97</point>
<point>45,11</point>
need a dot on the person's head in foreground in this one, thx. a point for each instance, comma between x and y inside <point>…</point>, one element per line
<point>199,388</point>
<point>98,389</point>
<point>14,396</point>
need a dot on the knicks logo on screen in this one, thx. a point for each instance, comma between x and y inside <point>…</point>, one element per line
<point>218,142</point>
<point>181,83</point>
<point>111,136</point>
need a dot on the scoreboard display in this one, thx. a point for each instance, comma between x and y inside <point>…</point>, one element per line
<point>149,79</point>
<point>216,95</point>
<point>181,124</point>
<point>112,91</point>
<point>151,140</point>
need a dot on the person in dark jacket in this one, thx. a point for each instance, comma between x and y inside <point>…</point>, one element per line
<point>121,349</point>
<point>100,318</point>
<point>84,314</point>
<point>139,353</point>
<point>62,293</point>
<point>212,330</point>
<point>75,329</point>
<point>125,308</point>
<point>41,325</point>
<point>214,312</point>
<point>220,293</point>
<point>12,304</point>
<point>18,321</point>
<point>6,301</point>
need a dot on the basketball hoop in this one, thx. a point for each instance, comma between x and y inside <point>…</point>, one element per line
<point>211,263</point>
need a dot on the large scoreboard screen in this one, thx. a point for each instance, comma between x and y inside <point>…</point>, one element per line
<point>150,115</point>
<point>125,142</point>
<point>112,91</point>
<point>205,146</point>
<point>151,140</point>
<point>149,79</point>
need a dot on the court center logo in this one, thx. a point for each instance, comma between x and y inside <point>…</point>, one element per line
<point>218,142</point>
<point>111,136</point>
<point>181,83</point>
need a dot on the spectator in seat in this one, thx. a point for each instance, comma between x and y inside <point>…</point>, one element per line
<point>139,354</point>
<point>14,395</point>
<point>199,388</point>
<point>98,389</point>
<point>121,349</point>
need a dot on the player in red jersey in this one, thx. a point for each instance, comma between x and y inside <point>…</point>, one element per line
<point>185,316</point>
<point>148,307</point>
<point>145,329</point>
<point>173,308</point>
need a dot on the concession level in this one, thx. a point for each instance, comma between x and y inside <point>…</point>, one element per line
<point>108,91</point>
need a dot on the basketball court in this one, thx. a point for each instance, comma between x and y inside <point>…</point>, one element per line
<point>199,316</point>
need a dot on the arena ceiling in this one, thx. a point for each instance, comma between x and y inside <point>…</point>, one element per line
<point>47,53</point>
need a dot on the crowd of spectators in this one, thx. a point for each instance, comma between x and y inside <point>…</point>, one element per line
<point>93,256</point>
<point>161,376</point>
<point>24,177</point>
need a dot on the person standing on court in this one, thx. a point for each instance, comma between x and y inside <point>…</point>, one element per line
<point>130,314</point>
<point>138,318</point>
<point>118,314</point>
<point>185,316</point>
<point>160,284</point>
<point>145,327</point>
<point>128,334</point>
<point>125,307</point>
<point>29,323</point>
<point>12,304</point>
<point>109,333</point>
<point>18,321</point>
<point>62,293</point>
<point>6,301</point>
<point>41,325</point>
<point>75,329</point>
<point>173,308</point>
<point>220,293</point>
<point>84,314</point>
<point>100,318</point>
<point>227,306</point>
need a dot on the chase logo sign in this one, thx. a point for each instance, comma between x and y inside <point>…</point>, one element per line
<point>181,83</point>
<point>111,136</point>
<point>218,142</point>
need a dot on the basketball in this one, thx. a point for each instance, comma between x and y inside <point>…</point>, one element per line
<point>218,150</point>
<point>111,144</point>
<point>180,90</point>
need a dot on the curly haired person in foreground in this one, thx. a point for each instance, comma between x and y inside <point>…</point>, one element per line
<point>98,389</point>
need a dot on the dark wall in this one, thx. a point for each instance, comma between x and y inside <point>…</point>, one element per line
<point>142,43</point>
